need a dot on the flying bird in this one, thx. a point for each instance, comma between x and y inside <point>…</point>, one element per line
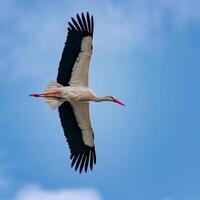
<point>71,95</point>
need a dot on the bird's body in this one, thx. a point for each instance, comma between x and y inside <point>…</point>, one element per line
<point>71,93</point>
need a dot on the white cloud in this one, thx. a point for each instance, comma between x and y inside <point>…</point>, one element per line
<point>35,192</point>
<point>119,28</point>
<point>42,32</point>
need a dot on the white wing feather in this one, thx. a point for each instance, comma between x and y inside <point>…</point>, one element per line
<point>81,112</point>
<point>79,75</point>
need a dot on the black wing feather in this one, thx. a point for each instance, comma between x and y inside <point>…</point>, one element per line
<point>87,161</point>
<point>88,22</point>
<point>91,160</point>
<point>72,26</point>
<point>74,138</point>
<point>78,161</point>
<point>74,160</point>
<point>76,32</point>
<point>84,23</point>
<point>82,163</point>
<point>80,22</point>
<point>92,25</point>
<point>76,24</point>
<point>81,154</point>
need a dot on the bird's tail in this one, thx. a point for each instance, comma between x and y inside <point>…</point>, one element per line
<point>54,101</point>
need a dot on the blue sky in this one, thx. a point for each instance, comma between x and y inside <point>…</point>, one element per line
<point>146,53</point>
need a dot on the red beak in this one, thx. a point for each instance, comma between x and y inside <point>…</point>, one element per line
<point>119,102</point>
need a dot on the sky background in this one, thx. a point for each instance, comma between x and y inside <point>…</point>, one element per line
<point>146,53</point>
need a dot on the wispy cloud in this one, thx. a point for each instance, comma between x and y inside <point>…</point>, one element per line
<point>36,38</point>
<point>35,192</point>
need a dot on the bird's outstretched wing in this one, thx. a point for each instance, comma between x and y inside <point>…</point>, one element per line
<point>73,70</point>
<point>74,63</point>
<point>77,128</point>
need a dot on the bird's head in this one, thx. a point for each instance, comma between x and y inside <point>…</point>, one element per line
<point>113,99</point>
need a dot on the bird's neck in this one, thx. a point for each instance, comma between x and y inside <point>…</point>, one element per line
<point>99,99</point>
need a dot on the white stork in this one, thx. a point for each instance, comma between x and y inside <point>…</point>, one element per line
<point>71,94</point>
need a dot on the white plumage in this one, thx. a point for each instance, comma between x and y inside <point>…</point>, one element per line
<point>80,70</point>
